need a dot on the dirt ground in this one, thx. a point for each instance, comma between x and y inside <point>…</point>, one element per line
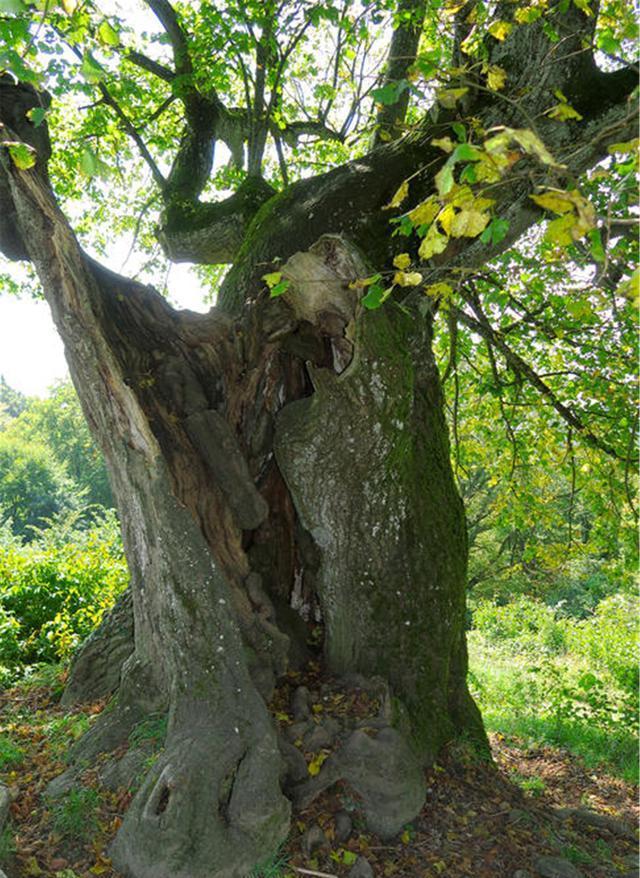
<point>479,819</point>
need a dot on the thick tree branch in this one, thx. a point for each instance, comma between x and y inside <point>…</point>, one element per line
<point>167,17</point>
<point>150,65</point>
<point>402,53</point>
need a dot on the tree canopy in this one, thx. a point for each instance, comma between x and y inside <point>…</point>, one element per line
<point>202,112</point>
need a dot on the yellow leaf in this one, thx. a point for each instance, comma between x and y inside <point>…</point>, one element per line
<point>469,223</point>
<point>407,278</point>
<point>500,30</point>
<point>362,282</point>
<point>498,145</point>
<point>562,112</point>
<point>438,291</point>
<point>316,763</point>
<point>559,230</point>
<point>624,148</point>
<point>445,218</point>
<point>402,261</point>
<point>555,201</point>
<point>425,212</point>
<point>583,6</point>
<point>399,196</point>
<point>527,15</point>
<point>496,77</point>
<point>449,97</point>
<point>405,838</point>
<point>432,243</point>
<point>31,868</point>
<point>273,278</point>
<point>444,143</point>
<point>489,170</point>
<point>69,6</point>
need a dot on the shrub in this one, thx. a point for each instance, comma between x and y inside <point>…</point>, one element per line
<point>53,594</point>
<point>609,639</point>
<point>526,624</point>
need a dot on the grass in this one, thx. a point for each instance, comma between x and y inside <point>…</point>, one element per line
<point>273,867</point>
<point>10,754</point>
<point>76,815</point>
<point>7,845</point>
<point>151,730</point>
<point>516,697</point>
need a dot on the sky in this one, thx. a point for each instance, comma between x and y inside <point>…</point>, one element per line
<point>31,352</point>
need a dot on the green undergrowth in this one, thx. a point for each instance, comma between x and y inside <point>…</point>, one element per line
<point>542,678</point>
<point>53,592</point>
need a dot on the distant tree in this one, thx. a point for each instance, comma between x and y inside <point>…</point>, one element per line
<point>58,423</point>
<point>33,485</point>
<point>12,402</point>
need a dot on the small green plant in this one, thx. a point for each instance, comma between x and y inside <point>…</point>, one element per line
<point>152,730</point>
<point>535,786</point>
<point>63,731</point>
<point>272,867</point>
<point>10,754</point>
<point>7,844</point>
<point>577,855</point>
<point>76,816</point>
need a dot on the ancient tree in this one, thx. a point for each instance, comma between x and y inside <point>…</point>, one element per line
<point>289,448</point>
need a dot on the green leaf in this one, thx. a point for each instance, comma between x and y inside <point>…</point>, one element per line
<point>89,162</point>
<point>495,231</point>
<point>92,71</point>
<point>444,178</point>
<point>595,245</point>
<point>374,298</point>
<point>608,44</point>
<point>276,283</point>
<point>37,115</point>
<point>460,131</point>
<point>466,153</point>
<point>279,289</point>
<point>12,7</point>
<point>389,93</point>
<point>22,155</point>
<point>107,35</point>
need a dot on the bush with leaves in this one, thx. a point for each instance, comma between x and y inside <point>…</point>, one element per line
<point>526,624</point>
<point>54,591</point>
<point>609,639</point>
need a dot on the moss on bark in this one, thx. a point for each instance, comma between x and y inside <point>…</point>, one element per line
<point>376,492</point>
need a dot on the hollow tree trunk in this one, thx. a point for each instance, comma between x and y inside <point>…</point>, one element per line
<point>188,411</point>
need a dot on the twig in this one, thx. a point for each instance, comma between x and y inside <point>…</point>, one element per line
<point>313,873</point>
